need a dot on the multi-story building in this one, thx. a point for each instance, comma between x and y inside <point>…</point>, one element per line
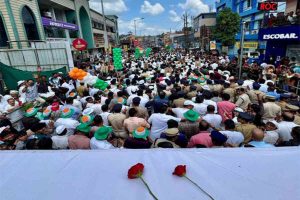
<point>247,10</point>
<point>98,31</point>
<point>25,21</point>
<point>280,34</point>
<point>203,25</point>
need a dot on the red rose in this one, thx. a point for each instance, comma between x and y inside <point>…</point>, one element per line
<point>180,170</point>
<point>136,171</point>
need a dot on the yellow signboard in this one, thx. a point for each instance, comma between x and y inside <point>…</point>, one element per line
<point>248,45</point>
<point>125,47</point>
<point>212,45</point>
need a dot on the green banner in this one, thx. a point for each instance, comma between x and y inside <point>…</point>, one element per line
<point>117,56</point>
<point>148,51</point>
<point>137,53</point>
<point>11,75</point>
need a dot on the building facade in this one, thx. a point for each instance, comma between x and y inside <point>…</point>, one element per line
<point>247,10</point>
<point>281,34</point>
<point>98,31</point>
<point>24,21</point>
<point>203,25</point>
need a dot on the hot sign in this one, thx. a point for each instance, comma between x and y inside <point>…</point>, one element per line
<point>267,6</point>
<point>80,44</point>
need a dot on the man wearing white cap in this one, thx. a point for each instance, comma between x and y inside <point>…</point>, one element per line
<point>179,112</point>
<point>60,140</point>
<point>21,86</point>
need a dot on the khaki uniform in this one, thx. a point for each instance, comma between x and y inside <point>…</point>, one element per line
<point>282,104</point>
<point>254,96</point>
<point>271,110</point>
<point>218,88</point>
<point>199,87</point>
<point>179,102</point>
<point>186,89</point>
<point>246,130</point>
<point>141,112</point>
<point>190,95</point>
<point>297,120</point>
<point>243,101</point>
<point>117,120</point>
<point>231,92</point>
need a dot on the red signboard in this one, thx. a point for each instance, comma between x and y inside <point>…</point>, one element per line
<point>80,44</point>
<point>267,6</point>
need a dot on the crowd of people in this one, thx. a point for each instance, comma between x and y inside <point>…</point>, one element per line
<point>166,100</point>
<point>281,19</point>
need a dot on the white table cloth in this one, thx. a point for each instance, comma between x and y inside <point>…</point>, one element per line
<point>240,173</point>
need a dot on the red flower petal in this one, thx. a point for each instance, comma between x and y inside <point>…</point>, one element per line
<point>180,170</point>
<point>135,171</point>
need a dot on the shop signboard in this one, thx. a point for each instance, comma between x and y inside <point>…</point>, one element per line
<point>80,44</point>
<point>212,45</point>
<point>64,25</point>
<point>280,33</point>
<point>267,6</point>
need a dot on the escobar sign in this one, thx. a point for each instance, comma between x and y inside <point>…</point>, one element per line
<point>280,33</point>
<point>280,36</point>
<point>267,6</point>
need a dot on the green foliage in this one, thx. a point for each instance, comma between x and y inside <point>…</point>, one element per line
<point>228,24</point>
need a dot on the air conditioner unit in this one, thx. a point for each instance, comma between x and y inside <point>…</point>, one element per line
<point>254,32</point>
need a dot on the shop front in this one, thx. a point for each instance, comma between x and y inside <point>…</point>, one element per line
<point>280,42</point>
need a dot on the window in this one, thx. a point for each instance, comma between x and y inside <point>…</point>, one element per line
<point>3,35</point>
<point>73,33</point>
<point>30,24</point>
<point>257,24</point>
<point>53,32</point>
<point>248,3</point>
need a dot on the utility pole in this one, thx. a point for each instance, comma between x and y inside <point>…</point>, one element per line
<point>241,49</point>
<point>105,31</point>
<point>185,30</point>
<point>135,24</point>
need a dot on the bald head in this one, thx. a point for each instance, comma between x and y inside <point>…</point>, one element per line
<point>257,134</point>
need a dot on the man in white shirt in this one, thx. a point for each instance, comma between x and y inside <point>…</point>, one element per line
<point>105,114</point>
<point>179,112</point>
<point>159,122</point>
<point>99,141</point>
<point>60,140</point>
<point>285,127</point>
<point>132,89</point>
<point>207,100</point>
<point>234,138</point>
<point>213,119</point>
<point>247,82</point>
<point>199,106</point>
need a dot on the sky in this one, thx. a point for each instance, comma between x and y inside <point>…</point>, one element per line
<point>159,15</point>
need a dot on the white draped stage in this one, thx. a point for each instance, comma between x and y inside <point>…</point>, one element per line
<point>240,173</point>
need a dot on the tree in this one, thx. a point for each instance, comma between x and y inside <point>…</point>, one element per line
<point>228,25</point>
